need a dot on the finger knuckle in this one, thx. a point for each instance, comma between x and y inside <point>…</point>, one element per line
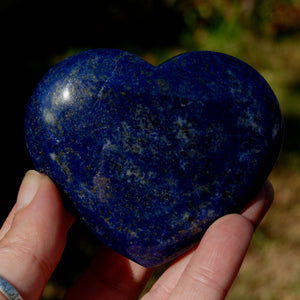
<point>205,277</point>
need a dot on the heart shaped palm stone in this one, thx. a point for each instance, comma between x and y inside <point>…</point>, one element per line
<point>151,156</point>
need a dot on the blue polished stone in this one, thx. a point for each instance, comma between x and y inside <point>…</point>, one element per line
<point>151,156</point>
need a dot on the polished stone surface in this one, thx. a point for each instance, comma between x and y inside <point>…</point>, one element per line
<point>151,156</point>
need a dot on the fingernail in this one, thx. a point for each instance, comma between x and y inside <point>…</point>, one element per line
<point>28,189</point>
<point>269,190</point>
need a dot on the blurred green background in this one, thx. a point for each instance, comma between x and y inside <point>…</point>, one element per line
<point>264,33</point>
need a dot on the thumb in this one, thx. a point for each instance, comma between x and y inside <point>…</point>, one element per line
<point>33,236</point>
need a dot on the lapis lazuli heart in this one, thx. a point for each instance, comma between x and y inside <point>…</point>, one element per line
<point>151,156</point>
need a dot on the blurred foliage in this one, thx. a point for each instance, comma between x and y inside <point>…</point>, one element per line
<point>264,33</point>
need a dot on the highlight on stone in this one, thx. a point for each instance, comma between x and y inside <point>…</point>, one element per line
<point>151,155</point>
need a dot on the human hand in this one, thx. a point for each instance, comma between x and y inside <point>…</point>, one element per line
<point>31,245</point>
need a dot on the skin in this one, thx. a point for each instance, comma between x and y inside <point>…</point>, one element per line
<point>31,245</point>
